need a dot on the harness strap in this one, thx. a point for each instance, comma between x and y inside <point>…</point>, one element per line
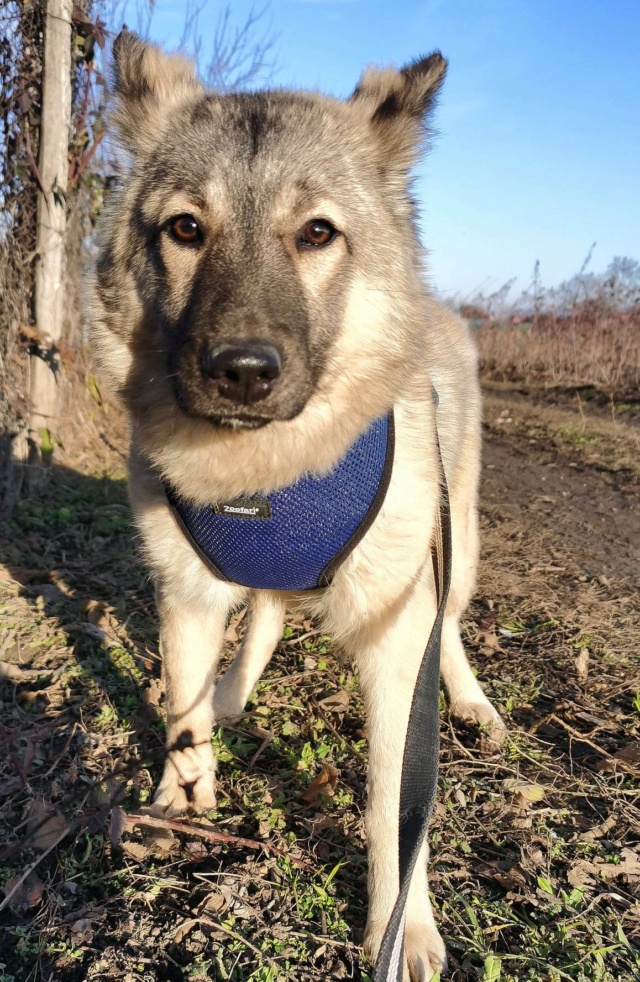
<point>421,750</point>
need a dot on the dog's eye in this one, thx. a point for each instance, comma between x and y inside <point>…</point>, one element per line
<point>316,233</point>
<point>185,230</point>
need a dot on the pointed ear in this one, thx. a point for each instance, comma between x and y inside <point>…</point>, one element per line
<point>398,103</point>
<point>147,83</point>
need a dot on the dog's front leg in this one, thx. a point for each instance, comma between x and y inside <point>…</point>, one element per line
<point>388,658</point>
<point>191,638</point>
<point>266,620</point>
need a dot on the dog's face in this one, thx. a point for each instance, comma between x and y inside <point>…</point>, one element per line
<point>234,247</point>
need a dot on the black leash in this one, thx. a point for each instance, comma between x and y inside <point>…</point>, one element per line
<point>421,751</point>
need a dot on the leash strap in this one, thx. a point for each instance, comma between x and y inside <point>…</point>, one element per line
<point>421,750</point>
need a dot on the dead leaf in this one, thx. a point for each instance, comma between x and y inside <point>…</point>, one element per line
<point>81,925</point>
<point>522,822</point>
<point>319,822</point>
<point>137,850</point>
<point>629,866</point>
<point>631,862</point>
<point>626,758</point>
<point>630,753</point>
<point>533,856</point>
<point>598,831</point>
<point>184,929</point>
<point>161,842</point>
<point>338,702</point>
<point>488,621</point>
<point>323,783</point>
<point>582,664</point>
<point>27,894</point>
<point>273,700</point>
<point>46,827</point>
<point>514,879</point>
<point>582,874</point>
<point>51,831</point>
<point>214,903</point>
<point>488,642</point>
<point>196,851</point>
<point>524,793</point>
<point>231,634</point>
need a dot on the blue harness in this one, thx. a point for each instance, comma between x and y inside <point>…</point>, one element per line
<point>296,537</point>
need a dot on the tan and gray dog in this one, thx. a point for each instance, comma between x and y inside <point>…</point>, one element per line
<point>279,224</point>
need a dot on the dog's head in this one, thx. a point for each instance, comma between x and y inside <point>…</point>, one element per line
<point>251,232</point>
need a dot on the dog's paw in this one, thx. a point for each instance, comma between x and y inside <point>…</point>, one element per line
<point>228,701</point>
<point>187,783</point>
<point>483,714</point>
<point>425,953</point>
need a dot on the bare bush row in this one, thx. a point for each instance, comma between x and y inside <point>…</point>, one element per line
<point>584,332</point>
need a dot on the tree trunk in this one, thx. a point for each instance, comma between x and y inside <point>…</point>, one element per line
<point>44,367</point>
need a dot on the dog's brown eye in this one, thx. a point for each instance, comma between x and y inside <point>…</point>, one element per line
<point>185,229</point>
<point>316,233</point>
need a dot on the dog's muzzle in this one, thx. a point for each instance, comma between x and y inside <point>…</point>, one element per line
<point>245,372</point>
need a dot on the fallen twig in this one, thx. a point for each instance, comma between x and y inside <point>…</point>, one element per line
<point>577,735</point>
<point>212,836</point>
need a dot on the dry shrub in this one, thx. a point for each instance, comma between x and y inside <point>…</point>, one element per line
<point>584,332</point>
<point>21,33</point>
<point>603,352</point>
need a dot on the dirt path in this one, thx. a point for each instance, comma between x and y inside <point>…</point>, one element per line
<point>535,863</point>
<point>570,479</point>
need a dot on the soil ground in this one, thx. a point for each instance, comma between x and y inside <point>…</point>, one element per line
<point>535,866</point>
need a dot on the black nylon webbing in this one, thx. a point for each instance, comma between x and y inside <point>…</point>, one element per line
<point>421,750</point>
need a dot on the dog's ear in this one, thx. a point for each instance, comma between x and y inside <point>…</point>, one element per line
<point>398,103</point>
<point>147,84</point>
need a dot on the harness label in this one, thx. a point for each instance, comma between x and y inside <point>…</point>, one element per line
<point>244,508</point>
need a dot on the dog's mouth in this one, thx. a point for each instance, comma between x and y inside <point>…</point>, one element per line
<point>239,422</point>
<point>198,403</point>
<point>233,418</point>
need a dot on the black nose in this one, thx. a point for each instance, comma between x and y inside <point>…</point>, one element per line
<point>245,371</point>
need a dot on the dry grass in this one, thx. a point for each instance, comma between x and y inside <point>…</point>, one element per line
<point>585,332</point>
<point>603,351</point>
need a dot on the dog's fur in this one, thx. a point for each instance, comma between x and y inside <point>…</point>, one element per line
<point>358,334</point>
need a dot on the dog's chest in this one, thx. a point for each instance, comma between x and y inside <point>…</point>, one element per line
<point>297,537</point>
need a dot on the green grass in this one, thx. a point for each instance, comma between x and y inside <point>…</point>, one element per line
<point>578,437</point>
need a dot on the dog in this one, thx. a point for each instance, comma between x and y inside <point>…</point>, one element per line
<point>258,303</point>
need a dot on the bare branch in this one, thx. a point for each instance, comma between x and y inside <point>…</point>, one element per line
<point>242,54</point>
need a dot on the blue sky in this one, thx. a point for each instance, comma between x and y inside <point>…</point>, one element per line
<point>538,152</point>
